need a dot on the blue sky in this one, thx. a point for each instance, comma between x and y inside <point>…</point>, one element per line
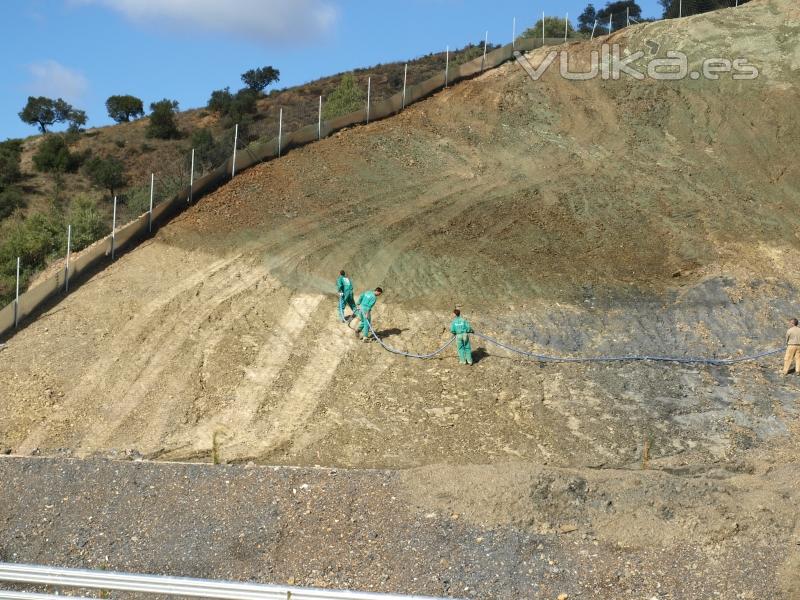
<point>87,50</point>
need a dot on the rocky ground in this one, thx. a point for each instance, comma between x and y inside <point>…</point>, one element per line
<point>569,218</point>
<point>583,534</point>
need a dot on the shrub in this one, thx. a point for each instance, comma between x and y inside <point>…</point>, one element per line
<point>137,201</point>
<point>10,153</point>
<point>220,101</point>
<point>233,106</point>
<point>107,173</point>
<point>346,98</point>
<point>10,200</point>
<point>34,240</point>
<point>53,156</point>
<point>162,120</point>
<point>124,108</point>
<point>88,225</point>
<point>208,151</point>
<point>553,28</point>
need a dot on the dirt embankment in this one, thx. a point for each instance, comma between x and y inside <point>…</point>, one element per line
<point>581,218</point>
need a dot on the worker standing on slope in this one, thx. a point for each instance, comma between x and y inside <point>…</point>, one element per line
<point>461,328</point>
<point>366,302</point>
<point>792,348</point>
<point>345,289</point>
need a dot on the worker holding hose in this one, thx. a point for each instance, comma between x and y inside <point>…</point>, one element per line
<point>461,328</point>
<point>345,289</point>
<point>366,302</point>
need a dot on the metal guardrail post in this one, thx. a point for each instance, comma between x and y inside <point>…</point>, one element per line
<point>150,213</point>
<point>114,230</point>
<point>280,131</point>
<point>16,298</point>
<point>369,94</point>
<point>66,261</point>
<point>191,178</point>
<point>235,143</point>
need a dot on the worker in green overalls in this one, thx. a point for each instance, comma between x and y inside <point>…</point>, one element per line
<point>344,287</point>
<point>365,304</point>
<point>461,328</point>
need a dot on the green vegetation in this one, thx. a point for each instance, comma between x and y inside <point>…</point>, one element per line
<point>233,106</point>
<point>162,120</point>
<point>209,152</point>
<point>124,108</point>
<point>10,153</point>
<point>10,197</point>
<point>470,52</point>
<point>107,173</point>
<point>587,19</point>
<point>34,240</point>
<point>45,112</point>
<point>618,12</point>
<point>53,156</point>
<point>88,224</point>
<point>346,98</point>
<point>694,7</point>
<point>553,28</point>
<point>258,79</point>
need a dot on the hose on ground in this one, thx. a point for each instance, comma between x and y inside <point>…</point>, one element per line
<point>588,359</point>
<point>629,357</point>
<point>408,354</point>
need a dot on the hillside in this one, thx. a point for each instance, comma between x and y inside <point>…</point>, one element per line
<point>169,159</point>
<point>143,155</point>
<point>570,218</point>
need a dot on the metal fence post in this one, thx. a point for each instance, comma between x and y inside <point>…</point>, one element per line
<point>16,298</point>
<point>446,65</point>
<point>627,16</point>
<point>485,46</point>
<point>514,32</point>
<point>542,28</point>
<point>593,30</point>
<point>66,262</point>
<point>369,94</point>
<point>405,81</point>
<point>566,27</point>
<point>680,9</point>
<point>150,213</point>
<point>191,178</point>
<point>235,143</point>
<point>610,23</point>
<point>319,121</point>
<point>114,230</point>
<point>280,131</point>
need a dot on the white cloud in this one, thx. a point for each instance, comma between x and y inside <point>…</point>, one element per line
<point>54,80</point>
<point>264,21</point>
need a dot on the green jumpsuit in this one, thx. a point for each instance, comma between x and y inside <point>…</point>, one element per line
<point>365,303</point>
<point>345,288</point>
<point>461,328</point>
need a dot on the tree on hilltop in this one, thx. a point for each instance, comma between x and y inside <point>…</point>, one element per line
<point>124,108</point>
<point>258,79</point>
<point>45,112</point>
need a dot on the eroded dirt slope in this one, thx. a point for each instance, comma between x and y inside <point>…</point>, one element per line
<point>580,218</point>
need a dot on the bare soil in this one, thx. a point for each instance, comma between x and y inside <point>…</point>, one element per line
<point>574,218</point>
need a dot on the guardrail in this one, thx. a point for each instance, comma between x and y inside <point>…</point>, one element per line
<point>168,586</point>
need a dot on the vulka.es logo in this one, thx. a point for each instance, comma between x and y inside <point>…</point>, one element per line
<point>609,64</point>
